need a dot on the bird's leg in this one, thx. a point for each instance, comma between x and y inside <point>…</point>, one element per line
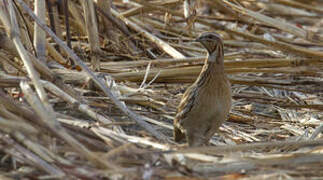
<point>211,132</point>
<point>191,137</point>
<point>196,137</point>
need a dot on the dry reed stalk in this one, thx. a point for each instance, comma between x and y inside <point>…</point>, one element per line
<point>163,45</point>
<point>39,34</point>
<point>299,5</point>
<point>92,32</point>
<point>78,21</point>
<point>252,147</point>
<point>267,20</point>
<point>11,23</point>
<point>90,74</point>
<point>47,115</point>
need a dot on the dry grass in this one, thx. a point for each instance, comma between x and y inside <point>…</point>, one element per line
<point>101,105</point>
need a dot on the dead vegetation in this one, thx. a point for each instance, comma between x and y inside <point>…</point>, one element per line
<point>89,90</point>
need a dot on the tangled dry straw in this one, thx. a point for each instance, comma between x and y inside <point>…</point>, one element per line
<point>89,90</point>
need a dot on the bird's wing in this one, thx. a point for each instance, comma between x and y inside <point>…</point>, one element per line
<point>186,105</point>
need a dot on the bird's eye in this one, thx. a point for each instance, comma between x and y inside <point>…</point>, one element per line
<point>208,37</point>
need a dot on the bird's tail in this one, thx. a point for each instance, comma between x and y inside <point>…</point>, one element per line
<point>178,134</point>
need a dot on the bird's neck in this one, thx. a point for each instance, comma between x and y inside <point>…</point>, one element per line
<point>216,55</point>
<point>212,67</point>
<point>211,73</point>
<point>214,61</point>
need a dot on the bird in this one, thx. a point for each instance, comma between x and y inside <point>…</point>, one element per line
<point>205,105</point>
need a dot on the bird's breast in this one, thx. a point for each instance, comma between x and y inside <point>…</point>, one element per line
<point>216,94</point>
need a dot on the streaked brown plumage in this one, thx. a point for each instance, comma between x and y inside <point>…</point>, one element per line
<point>206,103</point>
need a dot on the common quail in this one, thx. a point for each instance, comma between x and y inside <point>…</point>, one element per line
<point>206,103</point>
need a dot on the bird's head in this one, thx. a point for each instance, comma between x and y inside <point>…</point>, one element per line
<point>213,43</point>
